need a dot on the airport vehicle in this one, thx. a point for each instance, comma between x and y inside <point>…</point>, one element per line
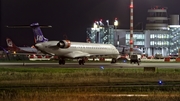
<point>20,50</point>
<point>158,56</point>
<point>67,49</point>
<point>135,59</point>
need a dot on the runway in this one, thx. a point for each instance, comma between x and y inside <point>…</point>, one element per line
<point>105,65</point>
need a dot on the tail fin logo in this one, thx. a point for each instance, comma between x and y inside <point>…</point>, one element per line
<point>39,38</point>
<point>9,42</point>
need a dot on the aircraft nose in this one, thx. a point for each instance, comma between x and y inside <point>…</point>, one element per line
<point>117,51</point>
<point>38,46</point>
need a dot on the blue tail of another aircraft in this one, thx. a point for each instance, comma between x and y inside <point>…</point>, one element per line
<point>38,35</point>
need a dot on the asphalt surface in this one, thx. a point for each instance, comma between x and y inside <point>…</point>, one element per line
<point>118,65</point>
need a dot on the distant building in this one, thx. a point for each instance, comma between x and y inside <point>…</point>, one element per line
<point>161,35</point>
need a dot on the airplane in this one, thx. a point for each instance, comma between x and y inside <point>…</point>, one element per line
<point>124,50</point>
<point>75,50</point>
<point>20,50</point>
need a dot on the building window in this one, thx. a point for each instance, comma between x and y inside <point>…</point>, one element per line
<point>152,36</point>
<point>151,43</point>
<point>127,36</point>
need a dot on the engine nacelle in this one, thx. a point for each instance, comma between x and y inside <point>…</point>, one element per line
<point>64,44</point>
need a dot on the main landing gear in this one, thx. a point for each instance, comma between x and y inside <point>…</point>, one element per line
<point>81,62</point>
<point>61,61</point>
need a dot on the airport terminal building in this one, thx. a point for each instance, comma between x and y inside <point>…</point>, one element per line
<point>161,35</point>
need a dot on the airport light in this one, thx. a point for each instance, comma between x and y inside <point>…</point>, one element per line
<point>102,67</point>
<point>160,82</point>
<point>95,26</point>
<point>107,21</point>
<point>116,24</point>
<point>101,23</point>
<point>131,41</point>
<point>14,52</point>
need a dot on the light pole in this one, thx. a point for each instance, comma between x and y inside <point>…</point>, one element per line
<point>116,24</point>
<point>131,27</point>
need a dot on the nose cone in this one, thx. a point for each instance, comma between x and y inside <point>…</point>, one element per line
<point>38,46</point>
<point>117,51</point>
<point>140,52</point>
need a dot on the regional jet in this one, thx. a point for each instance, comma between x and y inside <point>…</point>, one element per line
<point>67,49</point>
<point>123,50</point>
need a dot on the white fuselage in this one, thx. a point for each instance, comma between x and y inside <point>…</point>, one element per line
<point>79,48</point>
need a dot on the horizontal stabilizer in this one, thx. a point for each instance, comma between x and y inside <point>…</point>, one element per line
<point>27,26</point>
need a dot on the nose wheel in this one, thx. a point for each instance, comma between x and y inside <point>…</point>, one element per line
<point>113,60</point>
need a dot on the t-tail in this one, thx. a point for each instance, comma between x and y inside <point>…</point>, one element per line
<point>38,35</point>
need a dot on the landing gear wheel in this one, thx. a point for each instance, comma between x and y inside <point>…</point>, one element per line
<point>61,62</point>
<point>138,63</point>
<point>81,62</point>
<point>113,60</point>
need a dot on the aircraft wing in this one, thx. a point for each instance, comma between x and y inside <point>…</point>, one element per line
<point>76,54</point>
<point>22,53</point>
<point>30,53</point>
<point>27,53</point>
<point>44,53</point>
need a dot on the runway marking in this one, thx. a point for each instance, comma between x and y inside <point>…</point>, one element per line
<point>130,95</point>
<point>121,95</point>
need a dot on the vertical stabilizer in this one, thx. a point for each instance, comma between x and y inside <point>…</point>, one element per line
<point>38,35</point>
<point>11,45</point>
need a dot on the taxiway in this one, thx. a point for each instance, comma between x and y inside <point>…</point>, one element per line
<point>120,65</point>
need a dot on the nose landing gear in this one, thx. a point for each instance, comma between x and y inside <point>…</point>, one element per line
<point>113,60</point>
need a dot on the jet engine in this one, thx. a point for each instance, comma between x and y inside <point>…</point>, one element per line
<point>64,44</point>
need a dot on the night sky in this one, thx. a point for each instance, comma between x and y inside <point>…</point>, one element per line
<point>71,17</point>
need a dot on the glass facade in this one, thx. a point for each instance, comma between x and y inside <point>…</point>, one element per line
<point>138,38</point>
<point>101,34</point>
<point>175,39</point>
<point>153,41</point>
<point>159,39</point>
